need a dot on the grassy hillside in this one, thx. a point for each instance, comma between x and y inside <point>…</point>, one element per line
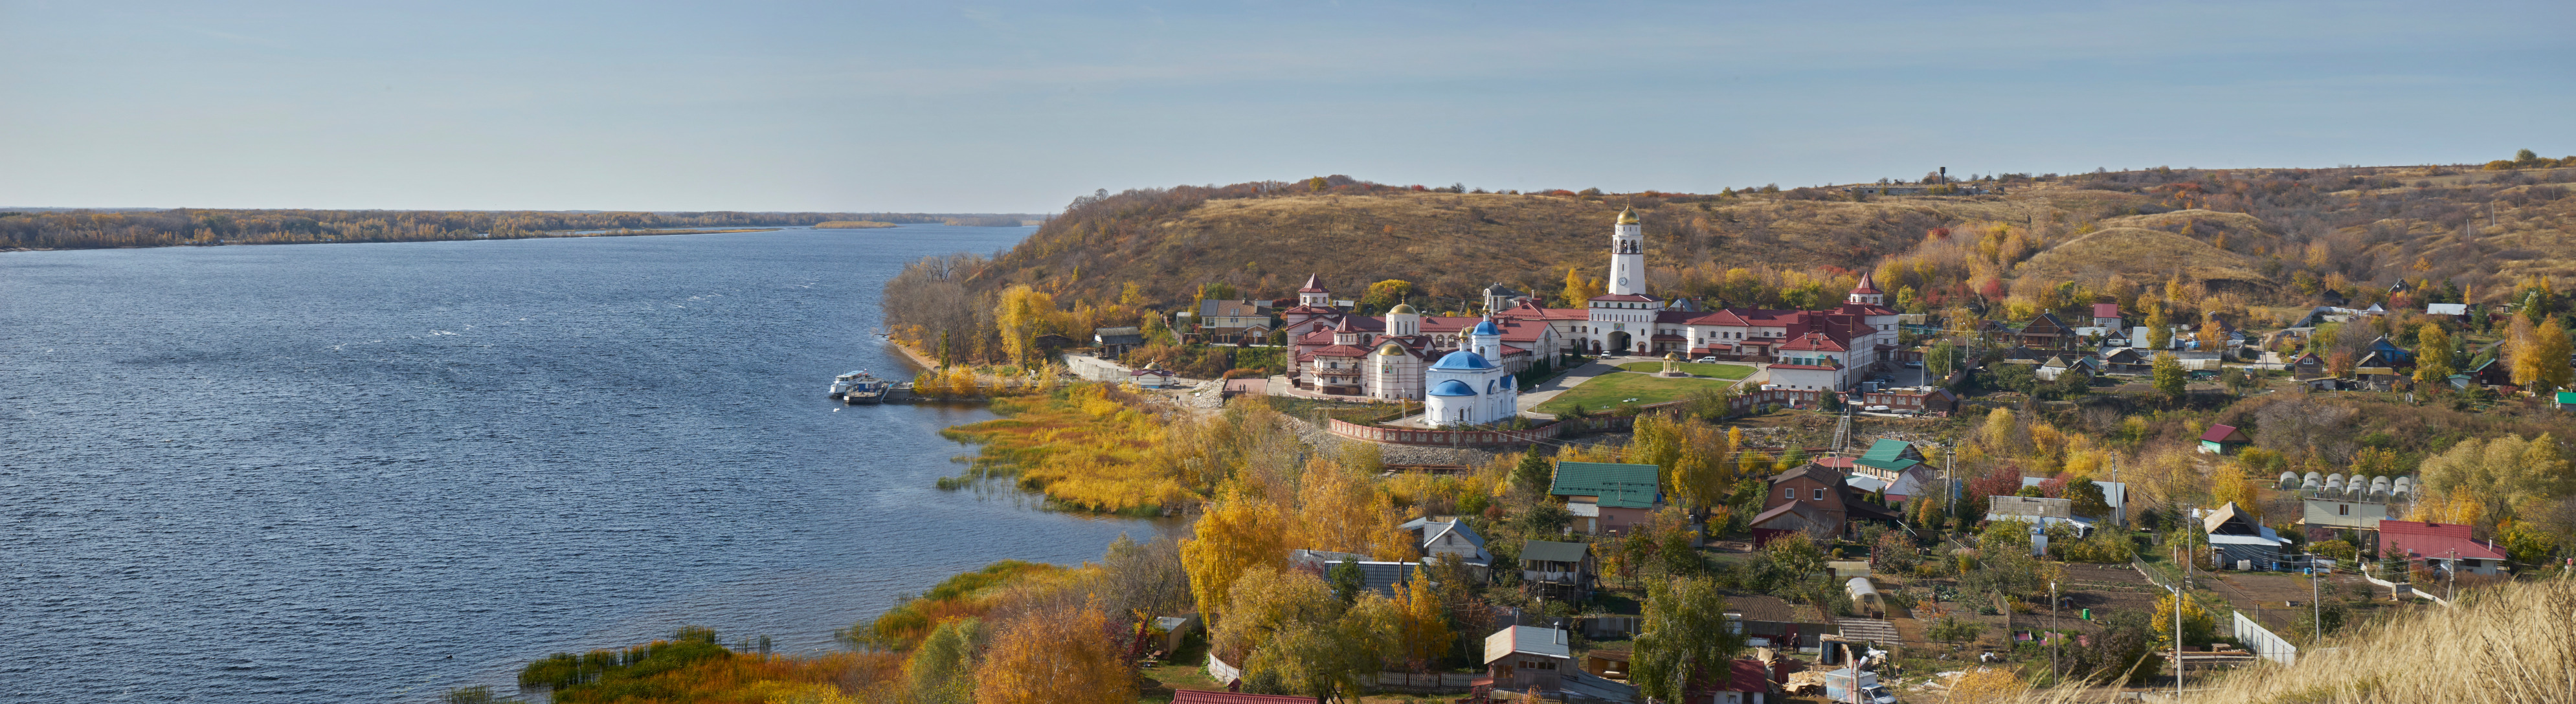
<point>1451,244</point>
<point>2240,240</point>
<point>2141,253</point>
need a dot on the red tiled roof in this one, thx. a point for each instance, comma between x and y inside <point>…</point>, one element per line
<point>1868,284</point>
<point>1340,351</point>
<point>1197,696</point>
<point>1309,310</point>
<point>2432,540</point>
<point>2221,432</point>
<point>1311,285</point>
<point>2106,310</point>
<point>1817,341</point>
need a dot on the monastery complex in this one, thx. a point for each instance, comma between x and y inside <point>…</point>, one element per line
<point>1461,367</point>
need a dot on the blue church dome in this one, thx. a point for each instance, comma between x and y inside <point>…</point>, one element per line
<point>1452,387</point>
<point>1463,359</point>
<point>1486,328</point>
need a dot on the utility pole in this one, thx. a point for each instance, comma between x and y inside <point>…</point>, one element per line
<point>2052,633</point>
<point>2177,638</point>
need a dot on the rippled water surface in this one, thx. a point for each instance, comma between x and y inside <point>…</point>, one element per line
<point>370,472</point>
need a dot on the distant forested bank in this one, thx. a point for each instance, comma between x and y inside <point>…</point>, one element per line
<point>90,229</point>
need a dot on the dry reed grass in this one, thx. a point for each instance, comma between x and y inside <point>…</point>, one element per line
<point>2509,645</point>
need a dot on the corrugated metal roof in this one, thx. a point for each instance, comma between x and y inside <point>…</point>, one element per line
<point>1616,485</point>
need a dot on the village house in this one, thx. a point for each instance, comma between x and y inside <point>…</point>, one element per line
<point>1912,399</point>
<point>1813,498</point>
<point>2126,361</point>
<point>1451,537</point>
<point>1114,342</point>
<point>2330,518</point>
<point>2048,333</point>
<point>1233,322</point>
<point>1384,578</point>
<point>2440,546</point>
<point>2237,542</point>
<point>1562,571</point>
<point>1527,658</point>
<point>2223,439</point>
<point>2039,511</point>
<point>2106,315</point>
<point>2308,366</point>
<point>1608,498</point>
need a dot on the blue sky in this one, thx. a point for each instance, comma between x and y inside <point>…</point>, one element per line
<point>1021,107</point>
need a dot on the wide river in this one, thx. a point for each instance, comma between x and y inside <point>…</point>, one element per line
<point>372,472</point>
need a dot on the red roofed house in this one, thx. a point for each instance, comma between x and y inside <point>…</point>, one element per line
<point>2223,439</point>
<point>1744,682</point>
<point>2439,545</point>
<point>2106,315</point>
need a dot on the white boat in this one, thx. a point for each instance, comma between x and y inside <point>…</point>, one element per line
<point>841,384</point>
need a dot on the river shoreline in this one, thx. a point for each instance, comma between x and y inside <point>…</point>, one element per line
<point>567,234</point>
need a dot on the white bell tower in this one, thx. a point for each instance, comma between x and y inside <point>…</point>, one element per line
<point>1627,255</point>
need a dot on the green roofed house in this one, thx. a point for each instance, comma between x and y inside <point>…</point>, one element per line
<point>2567,400</point>
<point>1887,459</point>
<point>1608,497</point>
<point>1557,570</point>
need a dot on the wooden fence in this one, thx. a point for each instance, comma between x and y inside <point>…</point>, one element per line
<point>1406,682</point>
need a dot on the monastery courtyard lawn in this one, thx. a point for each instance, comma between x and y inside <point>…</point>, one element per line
<point>1720,371</point>
<point>1609,391</point>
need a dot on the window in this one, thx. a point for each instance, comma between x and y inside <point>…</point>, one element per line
<point>1789,493</point>
<point>1820,494</point>
<point>2343,510</point>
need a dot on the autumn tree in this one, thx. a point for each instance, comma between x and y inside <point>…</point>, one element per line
<point>2169,376</point>
<point>1055,658</point>
<point>2432,355</point>
<point>1684,633</point>
<point>2230,484</point>
<point>2213,336</point>
<point>941,669</point>
<point>1938,362</point>
<point>1426,634</point>
<point>1239,533</point>
<point>1022,315</point>
<point>1384,295</point>
<point>2198,627</point>
<point>2159,328</point>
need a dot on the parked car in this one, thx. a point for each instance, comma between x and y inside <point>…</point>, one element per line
<point>1705,360</point>
<point>1914,365</point>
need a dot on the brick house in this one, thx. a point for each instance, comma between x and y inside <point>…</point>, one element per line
<point>1831,504</point>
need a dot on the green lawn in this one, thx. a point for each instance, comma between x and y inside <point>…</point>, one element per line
<point>1611,390</point>
<point>1721,371</point>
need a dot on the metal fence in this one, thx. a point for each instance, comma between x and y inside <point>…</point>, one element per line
<point>2262,642</point>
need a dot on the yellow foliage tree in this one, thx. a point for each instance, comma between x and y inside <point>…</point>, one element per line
<point>1342,511</point>
<point>2432,355</point>
<point>2229,483</point>
<point>1239,533</point>
<point>1426,624</point>
<point>1056,658</point>
<point>2197,624</point>
<point>1021,316</point>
